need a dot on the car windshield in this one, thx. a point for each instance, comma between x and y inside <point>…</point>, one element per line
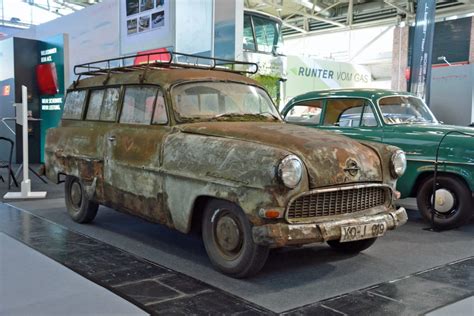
<point>405,110</point>
<point>204,101</point>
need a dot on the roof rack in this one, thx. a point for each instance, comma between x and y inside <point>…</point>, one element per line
<point>162,60</point>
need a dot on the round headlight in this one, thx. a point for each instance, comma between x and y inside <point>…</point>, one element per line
<point>290,171</point>
<point>399,163</point>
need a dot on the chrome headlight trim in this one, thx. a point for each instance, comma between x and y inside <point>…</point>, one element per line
<point>290,171</point>
<point>398,163</point>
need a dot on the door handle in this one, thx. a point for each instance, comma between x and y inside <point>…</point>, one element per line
<point>111,138</point>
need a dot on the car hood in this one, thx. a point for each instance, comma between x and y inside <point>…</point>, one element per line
<point>325,154</point>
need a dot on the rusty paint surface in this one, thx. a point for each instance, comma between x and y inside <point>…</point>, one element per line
<point>159,172</point>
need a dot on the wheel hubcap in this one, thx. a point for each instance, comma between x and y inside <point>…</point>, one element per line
<point>228,234</point>
<point>76,194</point>
<point>445,201</point>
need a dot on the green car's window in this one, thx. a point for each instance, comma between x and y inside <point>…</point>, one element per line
<point>368,118</point>
<point>74,105</point>
<point>109,107</point>
<point>343,112</point>
<point>138,104</point>
<point>405,110</point>
<point>308,112</point>
<point>95,103</point>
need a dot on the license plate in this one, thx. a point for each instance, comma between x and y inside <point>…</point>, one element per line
<point>358,232</point>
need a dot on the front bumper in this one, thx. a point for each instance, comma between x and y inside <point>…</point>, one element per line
<point>284,234</point>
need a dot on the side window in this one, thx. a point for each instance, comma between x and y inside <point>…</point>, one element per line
<point>95,103</point>
<point>109,107</point>
<point>343,112</point>
<point>160,117</point>
<point>308,112</point>
<point>249,42</point>
<point>138,104</point>
<point>74,105</point>
<point>368,118</point>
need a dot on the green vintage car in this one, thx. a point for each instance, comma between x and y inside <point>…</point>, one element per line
<point>403,120</point>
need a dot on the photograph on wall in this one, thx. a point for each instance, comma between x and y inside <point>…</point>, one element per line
<point>158,19</point>
<point>146,5</point>
<point>131,26</point>
<point>160,4</point>
<point>132,7</point>
<point>144,23</point>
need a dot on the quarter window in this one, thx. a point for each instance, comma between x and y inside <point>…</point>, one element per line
<point>160,117</point>
<point>308,112</point>
<point>138,104</point>
<point>74,105</point>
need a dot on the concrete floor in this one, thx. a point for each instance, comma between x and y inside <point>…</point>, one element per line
<point>33,284</point>
<point>292,277</point>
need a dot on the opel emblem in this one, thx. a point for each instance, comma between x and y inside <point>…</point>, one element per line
<point>351,167</point>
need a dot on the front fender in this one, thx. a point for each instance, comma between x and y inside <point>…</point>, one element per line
<point>238,171</point>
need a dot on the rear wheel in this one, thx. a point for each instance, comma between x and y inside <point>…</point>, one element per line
<point>351,247</point>
<point>453,205</point>
<point>227,236</point>
<point>79,207</point>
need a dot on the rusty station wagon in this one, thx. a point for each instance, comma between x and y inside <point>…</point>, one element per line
<point>193,147</point>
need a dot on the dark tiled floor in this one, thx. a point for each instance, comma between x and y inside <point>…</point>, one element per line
<point>152,287</point>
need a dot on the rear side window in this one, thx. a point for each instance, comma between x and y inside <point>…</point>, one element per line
<point>109,106</point>
<point>138,104</point>
<point>74,105</point>
<point>95,103</point>
<point>103,104</point>
<point>307,112</point>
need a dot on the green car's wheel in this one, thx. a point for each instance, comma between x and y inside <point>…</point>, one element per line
<point>79,207</point>
<point>351,247</point>
<point>227,236</point>
<point>453,202</point>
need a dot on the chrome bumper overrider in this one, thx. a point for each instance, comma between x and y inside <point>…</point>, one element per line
<point>283,234</point>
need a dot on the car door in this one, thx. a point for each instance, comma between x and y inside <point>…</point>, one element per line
<point>132,168</point>
<point>352,117</point>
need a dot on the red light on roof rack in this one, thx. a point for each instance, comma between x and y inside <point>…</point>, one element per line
<point>148,56</point>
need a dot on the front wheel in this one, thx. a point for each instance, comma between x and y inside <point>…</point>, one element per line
<point>78,205</point>
<point>351,247</point>
<point>227,236</point>
<point>453,205</point>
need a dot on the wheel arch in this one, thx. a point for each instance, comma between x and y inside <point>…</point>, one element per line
<point>422,177</point>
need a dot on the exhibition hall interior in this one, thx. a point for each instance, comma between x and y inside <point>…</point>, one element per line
<point>237,157</point>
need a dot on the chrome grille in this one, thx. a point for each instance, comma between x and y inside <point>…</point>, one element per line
<point>337,202</point>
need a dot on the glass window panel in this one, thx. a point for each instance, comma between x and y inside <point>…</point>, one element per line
<point>109,108</point>
<point>368,119</point>
<point>95,103</point>
<point>138,105</point>
<point>343,112</point>
<point>265,33</point>
<point>308,112</point>
<point>160,117</point>
<point>74,105</point>
<point>249,42</point>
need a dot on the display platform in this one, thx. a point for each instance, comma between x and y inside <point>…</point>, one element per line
<point>409,271</point>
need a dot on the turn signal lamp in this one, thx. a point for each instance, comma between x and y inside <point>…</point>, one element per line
<point>271,213</point>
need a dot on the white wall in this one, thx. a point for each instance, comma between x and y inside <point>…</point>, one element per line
<point>371,47</point>
<point>93,33</point>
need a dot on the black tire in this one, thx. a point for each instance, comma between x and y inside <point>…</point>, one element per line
<point>459,214</point>
<point>227,236</point>
<point>351,247</point>
<point>79,207</point>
